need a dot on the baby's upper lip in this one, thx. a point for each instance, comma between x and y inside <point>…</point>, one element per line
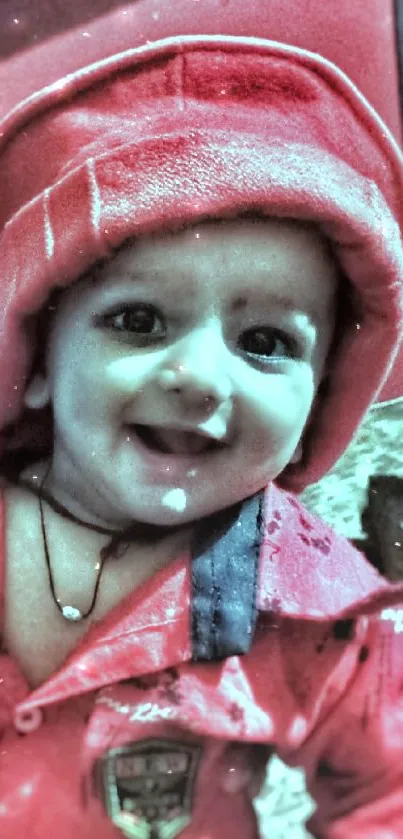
<point>186,429</point>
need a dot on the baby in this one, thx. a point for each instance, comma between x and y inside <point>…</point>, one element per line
<point>201,295</point>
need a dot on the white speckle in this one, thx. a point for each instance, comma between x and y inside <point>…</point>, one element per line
<point>26,789</point>
<point>86,35</point>
<point>16,20</point>
<point>191,473</point>
<point>298,728</point>
<point>394,615</point>
<point>175,499</point>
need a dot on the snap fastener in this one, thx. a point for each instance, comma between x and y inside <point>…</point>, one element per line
<point>28,721</point>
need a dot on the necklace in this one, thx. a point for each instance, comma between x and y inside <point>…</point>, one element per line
<point>70,613</point>
<point>118,545</point>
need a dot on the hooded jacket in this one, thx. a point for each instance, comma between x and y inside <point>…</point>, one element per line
<point>275,632</point>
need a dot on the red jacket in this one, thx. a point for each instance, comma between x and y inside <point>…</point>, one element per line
<point>320,685</point>
<point>271,636</point>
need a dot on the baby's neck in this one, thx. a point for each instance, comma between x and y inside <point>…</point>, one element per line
<point>35,632</point>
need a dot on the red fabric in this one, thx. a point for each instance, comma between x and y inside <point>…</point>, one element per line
<point>358,37</point>
<point>321,699</point>
<point>219,124</point>
<point>306,572</point>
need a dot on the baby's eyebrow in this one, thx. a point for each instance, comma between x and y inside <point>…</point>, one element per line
<point>279,302</point>
<point>240,302</point>
<point>141,276</point>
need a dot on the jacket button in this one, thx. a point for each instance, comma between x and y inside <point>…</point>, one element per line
<point>27,721</point>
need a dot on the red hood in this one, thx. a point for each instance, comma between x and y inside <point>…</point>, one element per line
<point>218,126</point>
<point>360,39</point>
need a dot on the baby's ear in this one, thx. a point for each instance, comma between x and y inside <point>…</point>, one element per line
<point>37,393</point>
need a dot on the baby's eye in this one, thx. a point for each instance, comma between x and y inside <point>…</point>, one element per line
<point>140,319</point>
<point>269,342</point>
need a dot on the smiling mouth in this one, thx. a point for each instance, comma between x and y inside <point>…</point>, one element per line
<point>174,442</point>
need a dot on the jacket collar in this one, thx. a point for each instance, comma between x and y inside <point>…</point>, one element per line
<point>306,572</point>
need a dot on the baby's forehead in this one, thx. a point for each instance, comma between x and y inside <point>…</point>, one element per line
<point>239,258</point>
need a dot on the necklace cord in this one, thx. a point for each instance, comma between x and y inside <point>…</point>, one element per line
<point>67,612</point>
<point>119,543</point>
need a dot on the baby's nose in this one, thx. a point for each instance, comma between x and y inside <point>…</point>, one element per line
<point>198,371</point>
<point>197,387</point>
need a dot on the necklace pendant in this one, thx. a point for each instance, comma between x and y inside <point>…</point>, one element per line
<point>71,613</point>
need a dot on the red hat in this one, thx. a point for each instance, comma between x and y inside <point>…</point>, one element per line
<point>195,127</point>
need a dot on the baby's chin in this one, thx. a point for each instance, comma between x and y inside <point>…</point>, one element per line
<point>121,501</point>
<point>182,504</point>
<point>177,508</point>
<point>173,512</point>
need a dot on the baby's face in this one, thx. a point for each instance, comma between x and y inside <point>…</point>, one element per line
<point>241,312</point>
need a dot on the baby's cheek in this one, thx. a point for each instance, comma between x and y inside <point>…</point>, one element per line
<point>282,402</point>
<point>128,372</point>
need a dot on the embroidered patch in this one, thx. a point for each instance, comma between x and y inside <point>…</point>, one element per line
<point>148,787</point>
